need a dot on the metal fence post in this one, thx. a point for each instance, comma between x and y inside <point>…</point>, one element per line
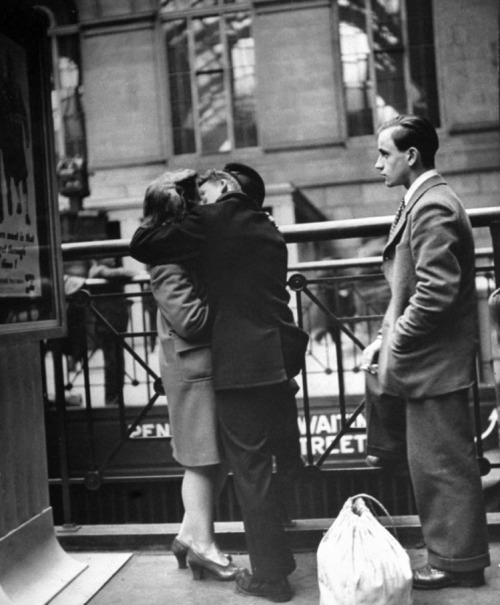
<point>68,524</point>
<point>495,242</point>
<point>495,314</point>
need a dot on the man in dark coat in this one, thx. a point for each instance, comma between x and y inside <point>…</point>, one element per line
<point>257,348</point>
<point>417,406</point>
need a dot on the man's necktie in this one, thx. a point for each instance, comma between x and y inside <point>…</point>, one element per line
<point>399,212</point>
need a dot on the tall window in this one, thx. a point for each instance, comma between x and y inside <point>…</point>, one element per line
<point>211,67</point>
<point>69,93</point>
<point>387,53</point>
<point>67,108</point>
<point>67,85</point>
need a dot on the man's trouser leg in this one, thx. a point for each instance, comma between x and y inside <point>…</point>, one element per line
<point>286,434</point>
<point>385,422</point>
<point>286,450</point>
<point>446,481</point>
<point>247,418</point>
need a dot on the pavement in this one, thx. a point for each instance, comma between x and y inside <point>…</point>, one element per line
<point>151,577</point>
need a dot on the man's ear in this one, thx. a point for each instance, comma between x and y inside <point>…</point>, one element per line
<point>413,156</point>
<point>224,183</point>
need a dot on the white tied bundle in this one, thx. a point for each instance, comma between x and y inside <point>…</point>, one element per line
<point>360,562</point>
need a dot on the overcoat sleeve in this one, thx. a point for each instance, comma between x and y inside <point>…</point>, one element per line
<point>435,250</point>
<point>184,309</point>
<point>173,243</point>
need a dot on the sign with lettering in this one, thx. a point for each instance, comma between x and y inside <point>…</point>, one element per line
<point>324,428</point>
<point>20,274</point>
<point>151,429</point>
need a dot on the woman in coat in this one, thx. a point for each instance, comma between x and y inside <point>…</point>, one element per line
<point>184,332</point>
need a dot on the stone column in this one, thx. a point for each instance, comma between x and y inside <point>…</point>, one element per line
<point>33,566</point>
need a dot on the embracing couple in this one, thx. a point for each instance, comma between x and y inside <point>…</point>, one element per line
<point>230,266</point>
<point>230,350</point>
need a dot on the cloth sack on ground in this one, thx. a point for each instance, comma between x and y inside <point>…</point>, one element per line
<point>360,562</point>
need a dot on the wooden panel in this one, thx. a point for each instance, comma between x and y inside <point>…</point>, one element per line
<point>466,43</point>
<point>120,78</point>
<point>298,83</point>
<point>112,8</point>
<point>23,467</point>
<point>87,9</point>
<point>90,10</point>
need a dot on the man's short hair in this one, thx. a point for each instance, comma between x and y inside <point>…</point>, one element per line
<point>241,178</point>
<point>414,131</point>
<point>214,176</point>
<point>249,179</point>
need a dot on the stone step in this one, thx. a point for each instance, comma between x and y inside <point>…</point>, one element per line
<point>304,536</point>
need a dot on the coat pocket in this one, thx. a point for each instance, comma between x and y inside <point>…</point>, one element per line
<point>195,362</point>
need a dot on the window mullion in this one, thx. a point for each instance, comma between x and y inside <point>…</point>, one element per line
<point>215,83</point>
<point>194,84</point>
<point>406,56</point>
<point>227,81</point>
<point>372,67</point>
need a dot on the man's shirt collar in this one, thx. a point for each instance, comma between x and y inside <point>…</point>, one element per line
<point>416,184</point>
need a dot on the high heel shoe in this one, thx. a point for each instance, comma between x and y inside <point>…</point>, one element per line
<point>200,565</point>
<point>180,551</point>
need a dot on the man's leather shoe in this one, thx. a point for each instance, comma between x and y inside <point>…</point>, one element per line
<point>276,589</point>
<point>431,578</point>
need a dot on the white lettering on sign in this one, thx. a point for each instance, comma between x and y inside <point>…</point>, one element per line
<point>324,428</point>
<point>327,423</point>
<point>150,429</point>
<point>348,445</point>
<point>493,423</point>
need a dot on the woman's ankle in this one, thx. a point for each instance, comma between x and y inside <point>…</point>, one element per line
<point>210,550</point>
<point>185,539</point>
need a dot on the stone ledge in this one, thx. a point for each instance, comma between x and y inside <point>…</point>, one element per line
<point>305,536</point>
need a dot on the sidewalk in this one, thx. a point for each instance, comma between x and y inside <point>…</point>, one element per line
<point>132,565</point>
<point>152,578</point>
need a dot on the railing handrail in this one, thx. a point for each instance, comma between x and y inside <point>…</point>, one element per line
<point>367,262</point>
<point>303,232</point>
<point>363,262</point>
<point>365,227</point>
<point>373,262</point>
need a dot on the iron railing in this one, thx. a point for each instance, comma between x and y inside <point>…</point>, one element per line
<point>339,302</point>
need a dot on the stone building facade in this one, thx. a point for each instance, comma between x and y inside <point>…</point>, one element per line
<point>296,88</point>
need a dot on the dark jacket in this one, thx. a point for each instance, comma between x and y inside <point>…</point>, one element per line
<point>255,341</point>
<point>430,329</point>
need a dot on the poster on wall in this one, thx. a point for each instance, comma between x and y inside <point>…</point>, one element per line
<point>20,273</point>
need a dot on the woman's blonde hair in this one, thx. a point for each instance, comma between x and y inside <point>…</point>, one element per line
<point>168,198</point>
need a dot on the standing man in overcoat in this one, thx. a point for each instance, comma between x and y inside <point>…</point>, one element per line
<point>256,347</point>
<point>418,404</point>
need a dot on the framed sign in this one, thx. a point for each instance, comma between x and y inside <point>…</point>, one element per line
<point>31,290</point>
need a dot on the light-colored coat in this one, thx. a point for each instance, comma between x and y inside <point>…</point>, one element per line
<point>430,329</point>
<point>186,363</point>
